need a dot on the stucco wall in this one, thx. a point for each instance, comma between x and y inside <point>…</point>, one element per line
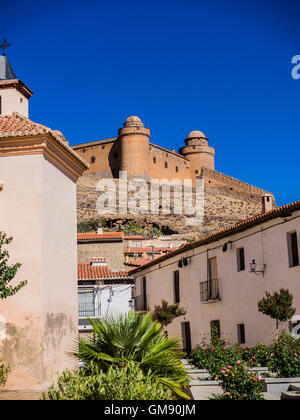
<point>37,208</point>
<point>239,291</point>
<point>113,251</point>
<point>13,101</point>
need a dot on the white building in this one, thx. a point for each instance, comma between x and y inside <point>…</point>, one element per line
<point>220,278</point>
<point>102,292</point>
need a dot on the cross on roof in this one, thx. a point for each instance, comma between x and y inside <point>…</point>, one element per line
<point>4,45</point>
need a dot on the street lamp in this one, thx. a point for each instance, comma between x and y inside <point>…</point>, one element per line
<point>253,268</point>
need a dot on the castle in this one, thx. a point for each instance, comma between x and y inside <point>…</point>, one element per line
<point>133,152</point>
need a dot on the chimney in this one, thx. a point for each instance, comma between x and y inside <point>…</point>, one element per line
<point>267,203</point>
<point>99,262</point>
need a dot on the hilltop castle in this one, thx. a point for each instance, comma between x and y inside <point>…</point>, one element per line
<point>133,152</point>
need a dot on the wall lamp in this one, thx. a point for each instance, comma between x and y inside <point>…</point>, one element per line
<point>253,268</point>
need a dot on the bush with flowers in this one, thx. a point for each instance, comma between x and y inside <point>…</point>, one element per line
<point>214,355</point>
<point>259,355</point>
<point>285,356</point>
<point>239,382</point>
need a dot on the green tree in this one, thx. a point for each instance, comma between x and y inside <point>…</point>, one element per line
<point>7,272</point>
<point>278,306</point>
<point>165,313</point>
<point>134,338</point>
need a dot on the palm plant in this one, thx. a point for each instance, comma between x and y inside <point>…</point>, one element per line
<point>134,338</point>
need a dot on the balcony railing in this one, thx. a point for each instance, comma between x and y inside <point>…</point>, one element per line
<point>140,303</point>
<point>209,290</point>
<point>88,311</point>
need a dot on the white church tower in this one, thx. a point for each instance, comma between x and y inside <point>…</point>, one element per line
<point>14,94</point>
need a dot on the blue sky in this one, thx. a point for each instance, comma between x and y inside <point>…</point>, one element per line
<point>222,67</point>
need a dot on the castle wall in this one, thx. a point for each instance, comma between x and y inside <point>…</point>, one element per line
<point>103,157</point>
<point>214,180</point>
<point>165,164</point>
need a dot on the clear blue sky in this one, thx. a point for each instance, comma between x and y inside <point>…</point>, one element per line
<point>223,67</point>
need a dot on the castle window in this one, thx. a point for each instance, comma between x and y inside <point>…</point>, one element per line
<point>154,160</point>
<point>196,171</point>
<point>166,165</point>
<point>93,159</point>
<point>103,147</point>
<point>194,147</point>
<point>83,150</point>
<point>176,168</point>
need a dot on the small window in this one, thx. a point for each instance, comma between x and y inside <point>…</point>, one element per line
<point>176,168</point>
<point>93,159</point>
<point>136,244</point>
<point>83,150</point>
<point>240,259</point>
<point>176,287</point>
<point>154,160</point>
<point>215,328</point>
<point>293,252</point>
<point>166,165</point>
<point>241,334</point>
<point>103,147</point>
<point>196,171</point>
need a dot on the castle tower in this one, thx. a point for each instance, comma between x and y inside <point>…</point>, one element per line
<point>14,94</point>
<point>134,147</point>
<point>198,152</point>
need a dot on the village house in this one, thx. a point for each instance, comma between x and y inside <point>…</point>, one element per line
<point>102,292</point>
<point>220,278</point>
<point>120,249</point>
<point>38,173</point>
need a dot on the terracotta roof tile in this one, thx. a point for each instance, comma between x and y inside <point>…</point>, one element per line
<point>138,262</point>
<point>93,236</point>
<point>90,272</point>
<point>149,249</point>
<point>16,125</point>
<point>243,225</point>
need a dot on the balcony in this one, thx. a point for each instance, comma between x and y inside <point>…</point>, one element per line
<point>209,291</point>
<point>140,303</point>
<point>87,310</point>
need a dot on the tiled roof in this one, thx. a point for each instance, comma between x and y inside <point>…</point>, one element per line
<point>138,262</point>
<point>16,125</point>
<point>149,249</point>
<point>283,211</point>
<point>134,237</point>
<point>93,236</point>
<point>90,272</point>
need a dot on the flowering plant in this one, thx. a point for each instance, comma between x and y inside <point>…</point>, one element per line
<point>285,356</point>
<point>238,382</point>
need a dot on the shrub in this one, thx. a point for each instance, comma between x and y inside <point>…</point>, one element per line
<point>4,371</point>
<point>259,355</point>
<point>285,360</point>
<point>214,356</point>
<point>165,313</point>
<point>134,338</point>
<point>239,383</point>
<point>128,383</point>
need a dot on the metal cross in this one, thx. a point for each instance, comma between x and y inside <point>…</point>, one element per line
<point>4,45</point>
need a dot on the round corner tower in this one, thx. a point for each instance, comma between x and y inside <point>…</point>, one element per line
<point>198,152</point>
<point>134,147</point>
